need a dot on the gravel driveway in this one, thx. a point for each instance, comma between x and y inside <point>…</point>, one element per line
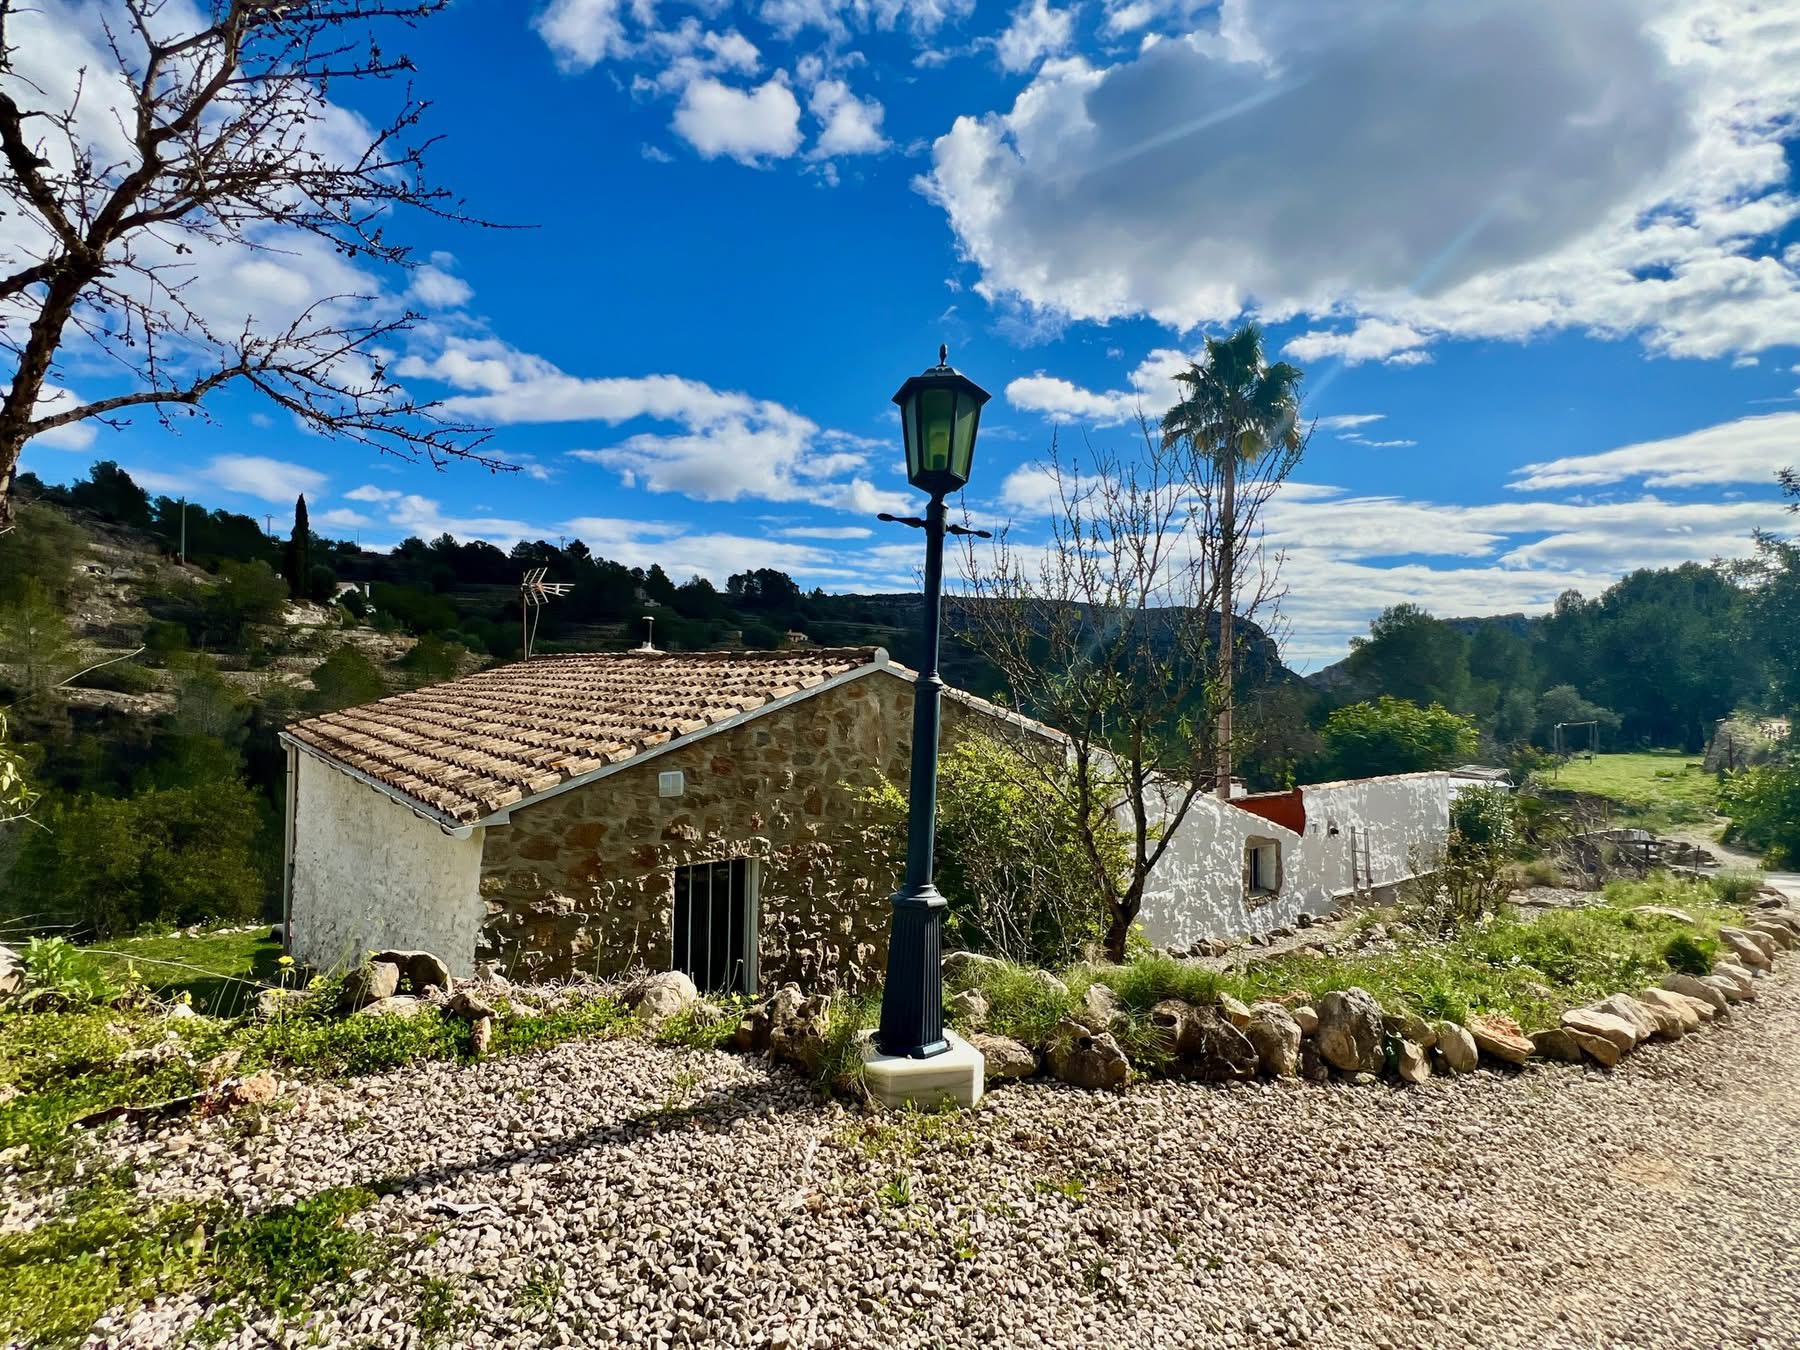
<point>663,1197</point>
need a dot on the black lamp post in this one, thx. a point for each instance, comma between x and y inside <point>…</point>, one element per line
<point>939,413</point>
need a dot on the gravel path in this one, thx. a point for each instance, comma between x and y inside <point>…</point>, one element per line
<point>663,1198</point>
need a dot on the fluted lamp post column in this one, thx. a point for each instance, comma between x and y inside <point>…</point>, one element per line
<point>912,1057</point>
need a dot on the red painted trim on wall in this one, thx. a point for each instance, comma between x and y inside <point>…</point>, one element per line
<point>1284,808</point>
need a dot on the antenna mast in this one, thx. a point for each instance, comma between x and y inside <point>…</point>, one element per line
<point>534,593</point>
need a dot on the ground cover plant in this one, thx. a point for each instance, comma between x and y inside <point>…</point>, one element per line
<point>1532,970</point>
<point>109,1246</point>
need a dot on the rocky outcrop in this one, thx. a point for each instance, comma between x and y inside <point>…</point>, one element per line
<point>798,1027</point>
<point>969,1008</point>
<point>1349,1037</point>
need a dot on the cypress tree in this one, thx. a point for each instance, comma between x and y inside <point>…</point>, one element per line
<point>296,564</point>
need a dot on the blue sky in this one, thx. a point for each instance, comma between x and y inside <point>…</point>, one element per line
<point>1541,264</point>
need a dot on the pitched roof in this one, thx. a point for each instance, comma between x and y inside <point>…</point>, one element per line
<point>470,747</point>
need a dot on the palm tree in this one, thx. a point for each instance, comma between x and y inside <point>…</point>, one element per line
<point>1235,410</point>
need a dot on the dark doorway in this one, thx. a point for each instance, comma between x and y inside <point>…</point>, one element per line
<point>714,926</point>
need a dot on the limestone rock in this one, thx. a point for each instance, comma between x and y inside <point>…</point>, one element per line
<point>1235,1011</point>
<point>1727,987</point>
<point>1412,1062</point>
<point>1499,1037</point>
<point>1004,1057</point>
<point>1615,1030</point>
<point>481,1035</point>
<point>1409,1026</point>
<point>469,1005</point>
<point>1204,1042</point>
<point>1312,1068</point>
<point>1665,912</point>
<point>1455,1048</point>
<point>658,997</point>
<point>961,969</point>
<point>797,1027</point>
<point>1275,1036</point>
<point>1745,947</point>
<point>375,981</point>
<point>968,1008</point>
<point>1350,1033</point>
<point>418,970</point>
<point>259,1089</point>
<point>1556,1043</point>
<point>752,1034</point>
<point>1597,1048</point>
<point>1683,1009</point>
<point>1307,1017</point>
<point>398,1005</point>
<point>1780,935</point>
<point>1692,986</point>
<point>1739,976</point>
<point>12,972</point>
<point>1101,1009</point>
<point>1086,1060</point>
<point>179,1012</point>
<point>271,1002</point>
<point>1644,1020</point>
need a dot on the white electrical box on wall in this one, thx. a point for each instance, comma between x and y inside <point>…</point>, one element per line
<point>671,784</point>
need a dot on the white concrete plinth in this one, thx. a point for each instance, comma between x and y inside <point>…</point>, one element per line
<point>958,1075</point>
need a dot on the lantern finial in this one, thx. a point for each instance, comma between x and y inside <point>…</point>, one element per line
<point>943,354</point>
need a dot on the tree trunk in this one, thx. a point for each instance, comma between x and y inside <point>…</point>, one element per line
<point>20,408</point>
<point>1118,925</point>
<point>1227,625</point>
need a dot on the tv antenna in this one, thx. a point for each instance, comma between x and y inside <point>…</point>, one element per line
<point>534,593</point>
<point>649,634</point>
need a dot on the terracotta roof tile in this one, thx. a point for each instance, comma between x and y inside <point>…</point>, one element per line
<point>471,746</point>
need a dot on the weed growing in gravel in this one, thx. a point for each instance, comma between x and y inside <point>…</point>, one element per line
<point>897,1194</point>
<point>1143,984</point>
<point>441,1312</point>
<point>706,1025</point>
<point>539,1293</point>
<point>111,1248</point>
<point>578,1019</point>
<point>906,1133</point>
<point>841,1064</point>
<point>1021,1004</point>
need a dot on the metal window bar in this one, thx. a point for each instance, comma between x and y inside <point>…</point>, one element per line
<point>718,960</point>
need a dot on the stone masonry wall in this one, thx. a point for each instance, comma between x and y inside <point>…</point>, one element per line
<point>584,881</point>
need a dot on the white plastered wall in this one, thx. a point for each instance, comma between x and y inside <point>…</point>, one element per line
<point>1196,889</point>
<point>369,873</point>
<point>1398,825</point>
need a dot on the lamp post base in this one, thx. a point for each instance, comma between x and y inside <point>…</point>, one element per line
<point>958,1074</point>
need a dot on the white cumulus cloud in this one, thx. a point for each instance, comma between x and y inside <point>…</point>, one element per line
<point>748,125</point>
<point>1037,30</point>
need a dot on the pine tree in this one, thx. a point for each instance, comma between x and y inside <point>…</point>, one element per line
<point>296,565</point>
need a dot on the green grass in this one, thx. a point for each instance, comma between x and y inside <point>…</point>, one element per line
<point>111,1248</point>
<point>220,972</point>
<point>1653,789</point>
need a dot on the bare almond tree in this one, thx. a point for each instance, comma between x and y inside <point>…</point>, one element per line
<point>1109,632</point>
<point>138,186</point>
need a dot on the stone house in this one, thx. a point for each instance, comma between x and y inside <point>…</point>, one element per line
<point>696,811</point>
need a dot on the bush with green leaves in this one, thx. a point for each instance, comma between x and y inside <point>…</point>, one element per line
<point>345,679</point>
<point>107,866</point>
<point>1691,955</point>
<point>1009,856</point>
<point>1764,805</point>
<point>247,593</point>
<point>59,973</point>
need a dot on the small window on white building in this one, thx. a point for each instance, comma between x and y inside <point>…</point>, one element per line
<point>1262,868</point>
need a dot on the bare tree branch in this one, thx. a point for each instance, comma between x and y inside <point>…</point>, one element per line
<point>218,141</point>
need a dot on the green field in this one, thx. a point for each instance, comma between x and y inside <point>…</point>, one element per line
<point>1651,788</point>
<point>220,971</point>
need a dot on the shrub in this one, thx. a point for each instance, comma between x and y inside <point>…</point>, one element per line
<point>178,855</point>
<point>1009,856</point>
<point>1736,888</point>
<point>1392,735</point>
<point>1691,955</point>
<point>59,972</point>
<point>1764,806</point>
<point>344,679</point>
